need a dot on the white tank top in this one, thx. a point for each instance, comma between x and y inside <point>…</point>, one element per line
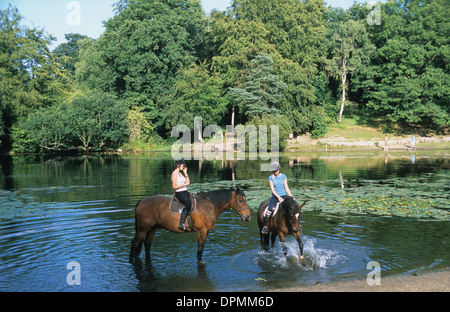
<point>180,181</point>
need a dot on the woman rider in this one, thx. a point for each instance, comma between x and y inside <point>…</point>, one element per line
<point>280,190</point>
<point>179,184</point>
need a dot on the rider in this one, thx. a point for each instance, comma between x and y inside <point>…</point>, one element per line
<point>280,190</point>
<point>179,184</point>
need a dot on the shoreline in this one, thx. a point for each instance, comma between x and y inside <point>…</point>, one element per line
<point>434,281</point>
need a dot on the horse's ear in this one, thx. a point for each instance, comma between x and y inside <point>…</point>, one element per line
<point>238,189</point>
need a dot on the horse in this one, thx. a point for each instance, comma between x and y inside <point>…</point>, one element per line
<point>285,222</point>
<point>152,213</point>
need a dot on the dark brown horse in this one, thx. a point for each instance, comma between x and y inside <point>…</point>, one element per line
<point>153,213</point>
<point>286,221</point>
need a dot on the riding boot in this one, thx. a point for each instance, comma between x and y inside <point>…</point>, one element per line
<point>182,225</point>
<point>265,229</point>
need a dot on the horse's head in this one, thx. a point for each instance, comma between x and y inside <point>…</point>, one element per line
<point>294,213</point>
<point>240,205</point>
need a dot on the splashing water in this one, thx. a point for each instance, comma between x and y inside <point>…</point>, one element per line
<point>314,257</point>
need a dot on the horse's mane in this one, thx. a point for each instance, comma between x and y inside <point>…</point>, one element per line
<point>217,196</point>
<point>287,203</point>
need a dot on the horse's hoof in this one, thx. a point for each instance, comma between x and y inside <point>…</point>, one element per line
<point>201,262</point>
<point>301,257</point>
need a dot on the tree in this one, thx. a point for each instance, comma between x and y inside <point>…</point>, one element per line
<point>349,50</point>
<point>98,120</point>
<point>264,90</point>
<point>197,93</point>
<point>46,129</point>
<point>142,49</point>
<point>30,75</point>
<point>68,53</point>
<point>293,33</point>
<point>407,80</point>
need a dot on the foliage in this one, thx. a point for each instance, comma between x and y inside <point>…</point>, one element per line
<point>143,47</point>
<point>162,63</point>
<point>280,121</point>
<point>93,122</point>
<point>68,53</point>
<point>98,120</point>
<point>407,81</point>
<point>30,76</point>
<point>139,128</point>
<point>263,91</point>
<point>197,93</point>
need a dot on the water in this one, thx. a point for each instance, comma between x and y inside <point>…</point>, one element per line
<point>57,210</point>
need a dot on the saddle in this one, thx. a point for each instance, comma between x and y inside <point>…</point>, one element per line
<point>274,210</point>
<point>176,206</point>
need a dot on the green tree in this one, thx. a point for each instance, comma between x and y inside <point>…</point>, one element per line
<point>280,121</point>
<point>30,75</point>
<point>98,121</point>
<point>197,93</point>
<point>264,90</point>
<point>68,53</point>
<point>46,129</point>
<point>295,41</point>
<point>142,49</point>
<point>349,50</point>
<point>408,80</point>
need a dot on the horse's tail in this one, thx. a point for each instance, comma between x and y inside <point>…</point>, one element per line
<point>135,216</point>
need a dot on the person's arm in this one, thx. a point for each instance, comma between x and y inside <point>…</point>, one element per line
<point>286,187</point>
<point>188,182</point>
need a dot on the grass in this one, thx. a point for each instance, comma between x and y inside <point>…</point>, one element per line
<point>351,129</point>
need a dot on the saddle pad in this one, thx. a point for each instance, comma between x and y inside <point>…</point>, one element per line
<point>176,206</point>
<point>274,210</point>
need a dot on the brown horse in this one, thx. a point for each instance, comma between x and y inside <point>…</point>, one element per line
<point>153,213</point>
<point>286,221</point>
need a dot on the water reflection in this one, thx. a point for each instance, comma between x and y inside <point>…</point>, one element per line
<point>150,279</point>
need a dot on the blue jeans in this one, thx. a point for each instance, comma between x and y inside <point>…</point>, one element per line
<point>274,200</point>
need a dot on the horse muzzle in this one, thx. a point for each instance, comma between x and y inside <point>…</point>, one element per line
<point>246,218</point>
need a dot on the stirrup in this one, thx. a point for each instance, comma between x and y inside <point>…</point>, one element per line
<point>182,227</point>
<point>265,229</point>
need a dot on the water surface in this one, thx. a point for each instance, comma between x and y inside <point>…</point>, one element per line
<point>363,208</point>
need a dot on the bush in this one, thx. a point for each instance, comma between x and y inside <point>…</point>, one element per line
<point>91,122</point>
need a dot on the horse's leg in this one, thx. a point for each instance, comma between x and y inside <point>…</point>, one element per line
<point>136,245</point>
<point>201,235</point>
<point>300,243</point>
<point>264,241</point>
<point>148,242</point>
<point>272,240</point>
<point>283,245</point>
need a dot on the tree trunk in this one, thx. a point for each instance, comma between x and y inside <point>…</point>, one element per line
<point>344,79</point>
<point>232,116</point>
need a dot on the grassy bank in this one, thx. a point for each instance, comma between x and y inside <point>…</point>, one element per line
<point>350,134</point>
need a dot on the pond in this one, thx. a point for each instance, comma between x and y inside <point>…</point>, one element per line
<point>393,209</point>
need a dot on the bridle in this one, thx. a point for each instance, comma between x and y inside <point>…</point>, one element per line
<point>236,204</point>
